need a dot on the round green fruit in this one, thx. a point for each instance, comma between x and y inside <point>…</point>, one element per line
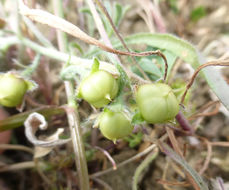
<point>157,103</point>
<point>12,89</point>
<point>114,125</point>
<point>99,88</point>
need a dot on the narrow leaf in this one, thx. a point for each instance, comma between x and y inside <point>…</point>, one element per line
<point>173,155</point>
<point>95,66</point>
<point>18,119</point>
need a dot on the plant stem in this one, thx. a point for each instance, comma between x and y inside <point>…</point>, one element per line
<point>184,123</point>
<point>53,53</point>
<point>17,120</point>
<point>142,166</point>
<point>72,113</point>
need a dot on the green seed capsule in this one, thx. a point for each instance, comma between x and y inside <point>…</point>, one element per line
<point>157,103</point>
<point>99,88</point>
<point>114,125</point>
<point>12,89</point>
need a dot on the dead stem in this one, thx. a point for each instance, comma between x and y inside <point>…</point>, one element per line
<point>137,156</point>
<point>206,107</point>
<point>173,141</point>
<point>65,26</point>
<point>101,182</point>
<point>213,63</point>
<point>16,147</point>
<point>165,170</point>
<point>208,157</point>
<point>177,149</point>
<point>18,166</point>
<point>171,183</point>
<point>220,143</point>
<point>106,153</point>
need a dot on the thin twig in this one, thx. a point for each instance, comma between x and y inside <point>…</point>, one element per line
<point>101,182</point>
<point>208,157</point>
<point>100,4</point>
<point>108,156</point>
<point>165,170</point>
<point>220,143</point>
<point>206,107</point>
<point>174,142</point>
<point>213,63</point>
<point>177,149</point>
<point>65,26</point>
<point>18,166</point>
<point>137,156</point>
<point>16,147</point>
<point>171,183</point>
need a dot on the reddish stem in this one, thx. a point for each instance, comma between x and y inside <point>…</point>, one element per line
<point>185,125</point>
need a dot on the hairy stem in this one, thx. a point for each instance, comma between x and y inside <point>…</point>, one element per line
<point>72,113</point>
<point>145,163</point>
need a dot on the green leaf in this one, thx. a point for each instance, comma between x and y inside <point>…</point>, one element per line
<point>31,85</point>
<point>149,68</point>
<point>137,118</point>
<point>119,13</point>
<point>179,87</point>
<point>173,5</point>
<point>155,70</point>
<point>123,78</point>
<point>85,10</point>
<point>95,66</point>
<point>171,43</point>
<point>32,67</point>
<point>178,159</point>
<point>75,45</point>
<point>134,139</point>
<point>198,13</point>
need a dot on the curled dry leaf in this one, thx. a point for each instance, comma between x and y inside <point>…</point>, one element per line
<point>35,121</point>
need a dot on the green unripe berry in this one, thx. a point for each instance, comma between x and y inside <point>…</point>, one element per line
<point>114,125</point>
<point>157,103</point>
<point>12,89</point>
<point>99,88</point>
